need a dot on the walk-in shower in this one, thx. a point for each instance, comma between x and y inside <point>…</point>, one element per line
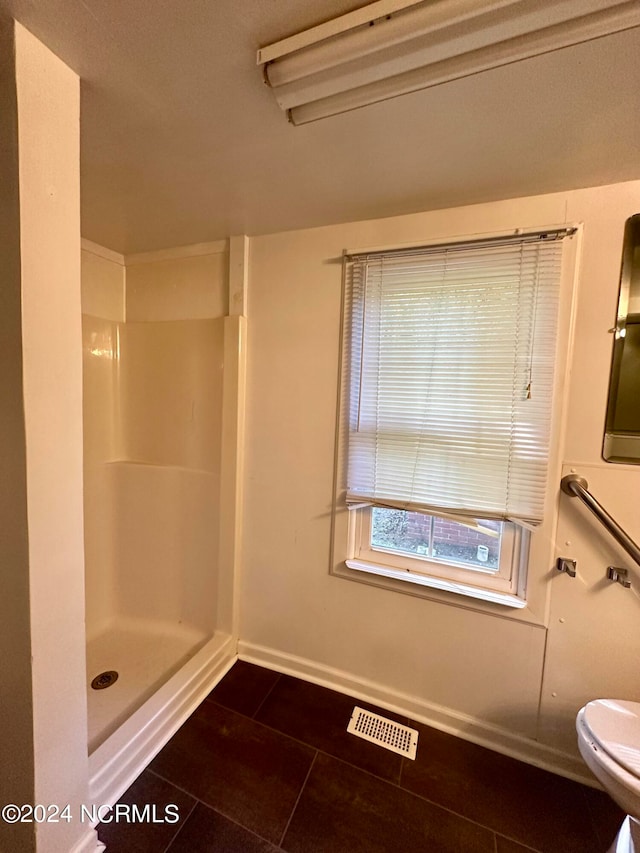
<point>153,419</point>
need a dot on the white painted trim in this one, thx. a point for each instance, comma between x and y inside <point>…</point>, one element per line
<point>232,473</point>
<point>238,275</point>
<point>102,252</point>
<point>441,584</point>
<point>232,441</point>
<point>438,716</point>
<point>116,763</point>
<point>194,250</point>
<point>89,843</point>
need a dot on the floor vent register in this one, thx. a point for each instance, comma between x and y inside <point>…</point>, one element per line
<point>386,733</point>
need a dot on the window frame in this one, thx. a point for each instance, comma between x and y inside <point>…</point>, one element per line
<point>534,554</point>
<point>502,580</point>
<point>506,589</point>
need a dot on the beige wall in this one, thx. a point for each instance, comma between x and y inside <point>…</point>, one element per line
<point>16,707</point>
<point>478,667</point>
<point>594,626</point>
<point>43,320</point>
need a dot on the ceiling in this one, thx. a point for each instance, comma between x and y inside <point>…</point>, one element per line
<point>182,143</point>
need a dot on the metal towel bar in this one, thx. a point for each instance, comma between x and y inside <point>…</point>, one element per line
<point>577,487</point>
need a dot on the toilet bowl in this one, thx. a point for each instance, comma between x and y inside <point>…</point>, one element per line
<point>609,742</point>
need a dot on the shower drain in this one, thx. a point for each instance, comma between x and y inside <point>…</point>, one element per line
<point>105,679</point>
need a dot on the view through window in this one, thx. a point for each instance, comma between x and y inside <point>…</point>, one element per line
<point>437,538</point>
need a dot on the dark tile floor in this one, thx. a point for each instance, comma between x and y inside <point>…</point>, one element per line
<point>266,764</point>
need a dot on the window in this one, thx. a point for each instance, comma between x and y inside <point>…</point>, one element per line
<point>448,377</point>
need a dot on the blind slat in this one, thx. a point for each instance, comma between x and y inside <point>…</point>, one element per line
<point>451,354</point>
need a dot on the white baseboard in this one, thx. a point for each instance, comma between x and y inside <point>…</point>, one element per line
<point>439,717</point>
<point>116,763</point>
<point>89,843</point>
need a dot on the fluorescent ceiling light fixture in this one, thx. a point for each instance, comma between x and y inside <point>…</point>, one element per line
<point>393,47</point>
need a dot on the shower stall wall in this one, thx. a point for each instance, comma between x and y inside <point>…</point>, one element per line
<point>153,422</point>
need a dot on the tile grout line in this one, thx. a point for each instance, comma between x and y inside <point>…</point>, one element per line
<point>268,693</point>
<point>592,821</point>
<point>399,785</point>
<point>295,805</point>
<point>411,793</point>
<point>524,846</point>
<point>383,779</point>
<point>181,825</point>
<point>362,770</point>
<point>184,790</point>
<point>358,767</point>
<point>207,806</point>
<point>318,751</point>
<point>321,752</point>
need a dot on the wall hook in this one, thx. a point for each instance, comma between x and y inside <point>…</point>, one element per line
<point>619,576</point>
<point>564,564</point>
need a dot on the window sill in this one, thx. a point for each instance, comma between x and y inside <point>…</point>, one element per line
<point>504,599</point>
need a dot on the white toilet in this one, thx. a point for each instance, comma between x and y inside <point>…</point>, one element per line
<point>609,742</point>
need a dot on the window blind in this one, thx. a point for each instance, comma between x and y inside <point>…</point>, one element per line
<point>451,365</point>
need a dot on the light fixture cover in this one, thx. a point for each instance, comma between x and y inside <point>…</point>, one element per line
<point>393,47</point>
